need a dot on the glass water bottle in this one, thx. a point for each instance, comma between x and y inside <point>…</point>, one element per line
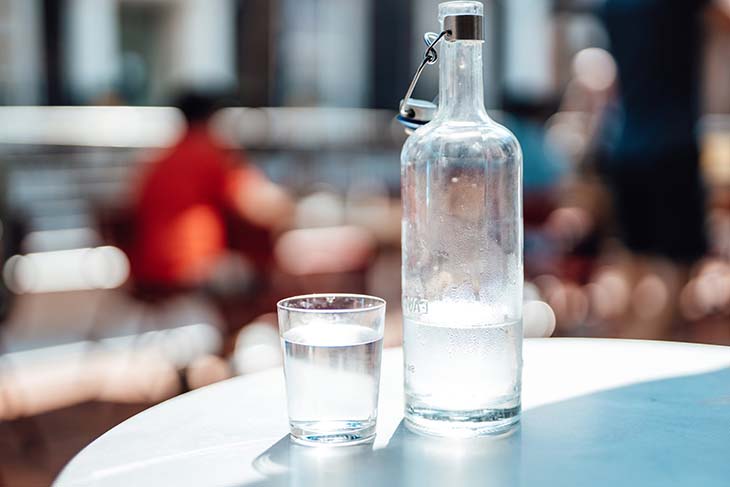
<point>462,275</point>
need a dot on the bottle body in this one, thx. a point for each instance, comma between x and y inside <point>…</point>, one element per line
<point>462,274</point>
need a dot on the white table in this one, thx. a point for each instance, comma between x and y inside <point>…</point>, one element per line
<point>596,412</point>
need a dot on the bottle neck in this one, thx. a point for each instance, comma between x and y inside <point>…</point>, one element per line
<point>461,89</point>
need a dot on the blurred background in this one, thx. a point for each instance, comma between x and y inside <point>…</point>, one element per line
<point>169,169</point>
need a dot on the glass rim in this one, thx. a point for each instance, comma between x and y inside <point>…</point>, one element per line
<point>379,303</point>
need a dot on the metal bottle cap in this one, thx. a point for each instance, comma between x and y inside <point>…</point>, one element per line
<point>464,27</point>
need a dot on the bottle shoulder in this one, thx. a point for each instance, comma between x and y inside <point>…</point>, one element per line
<point>462,139</point>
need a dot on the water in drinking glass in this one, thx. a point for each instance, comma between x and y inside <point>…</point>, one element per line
<point>332,377</point>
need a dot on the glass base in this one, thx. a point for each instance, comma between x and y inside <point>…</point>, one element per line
<point>461,424</point>
<point>332,433</point>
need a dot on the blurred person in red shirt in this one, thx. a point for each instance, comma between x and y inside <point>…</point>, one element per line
<point>185,199</point>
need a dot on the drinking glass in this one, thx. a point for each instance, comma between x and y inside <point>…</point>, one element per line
<point>332,347</point>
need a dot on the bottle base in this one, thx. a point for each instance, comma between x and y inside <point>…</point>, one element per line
<point>461,424</point>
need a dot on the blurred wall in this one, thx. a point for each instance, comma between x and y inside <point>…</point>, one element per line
<point>323,53</point>
<point>199,42</point>
<point>717,70</point>
<point>189,43</point>
<point>528,55</point>
<point>336,53</point>
<point>21,62</point>
<point>92,54</point>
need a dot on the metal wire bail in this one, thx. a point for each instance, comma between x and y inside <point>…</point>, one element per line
<point>429,57</point>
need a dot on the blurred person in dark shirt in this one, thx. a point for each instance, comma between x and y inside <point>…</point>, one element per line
<point>651,157</point>
<point>185,198</point>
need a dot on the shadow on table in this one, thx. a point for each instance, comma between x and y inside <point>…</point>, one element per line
<point>667,432</point>
<point>408,459</point>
